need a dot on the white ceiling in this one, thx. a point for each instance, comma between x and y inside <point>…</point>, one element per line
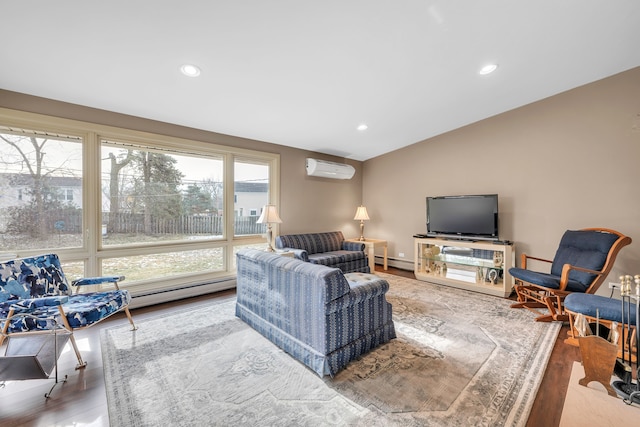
<point>306,73</point>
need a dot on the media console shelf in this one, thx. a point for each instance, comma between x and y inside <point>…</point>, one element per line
<point>472,265</point>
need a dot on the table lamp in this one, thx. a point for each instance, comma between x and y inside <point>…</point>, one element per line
<point>269,216</point>
<point>362,215</point>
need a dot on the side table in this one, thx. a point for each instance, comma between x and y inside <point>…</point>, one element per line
<point>371,245</point>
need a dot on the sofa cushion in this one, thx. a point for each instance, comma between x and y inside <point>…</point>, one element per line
<point>328,249</point>
<point>313,243</point>
<point>349,256</point>
<point>329,259</point>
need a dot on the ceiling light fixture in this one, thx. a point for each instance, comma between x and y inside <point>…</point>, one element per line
<point>190,70</point>
<point>362,127</point>
<point>488,69</point>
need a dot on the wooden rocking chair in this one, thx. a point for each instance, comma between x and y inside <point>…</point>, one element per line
<point>582,262</point>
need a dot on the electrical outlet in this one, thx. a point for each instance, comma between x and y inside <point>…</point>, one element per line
<point>401,254</point>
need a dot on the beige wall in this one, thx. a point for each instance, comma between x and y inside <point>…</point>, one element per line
<point>566,162</point>
<point>306,203</point>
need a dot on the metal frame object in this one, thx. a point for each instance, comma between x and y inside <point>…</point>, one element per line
<point>33,355</point>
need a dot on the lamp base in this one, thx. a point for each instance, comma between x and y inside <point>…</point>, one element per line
<point>269,235</point>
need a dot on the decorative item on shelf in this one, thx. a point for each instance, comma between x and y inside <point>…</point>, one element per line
<point>362,216</point>
<point>444,269</point>
<point>269,216</point>
<point>492,276</point>
<point>480,275</point>
<point>430,253</point>
<point>497,258</point>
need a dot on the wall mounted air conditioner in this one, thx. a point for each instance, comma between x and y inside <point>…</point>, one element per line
<point>327,169</point>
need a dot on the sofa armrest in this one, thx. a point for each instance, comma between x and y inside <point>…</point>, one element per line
<point>361,290</point>
<point>300,254</point>
<point>352,246</point>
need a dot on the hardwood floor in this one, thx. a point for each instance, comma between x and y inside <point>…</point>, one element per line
<point>81,401</point>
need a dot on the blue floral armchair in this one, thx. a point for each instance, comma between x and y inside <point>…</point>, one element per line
<point>37,285</point>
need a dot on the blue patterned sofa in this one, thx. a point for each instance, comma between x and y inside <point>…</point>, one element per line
<point>37,286</point>
<point>317,314</point>
<point>328,249</point>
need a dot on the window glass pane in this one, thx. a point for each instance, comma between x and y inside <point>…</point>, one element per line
<point>251,193</point>
<point>40,191</point>
<point>152,195</point>
<point>73,270</point>
<point>258,246</point>
<point>164,265</point>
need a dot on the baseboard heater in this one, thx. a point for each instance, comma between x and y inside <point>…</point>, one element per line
<point>145,299</point>
<point>400,263</point>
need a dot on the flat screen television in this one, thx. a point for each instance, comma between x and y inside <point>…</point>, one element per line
<point>470,217</point>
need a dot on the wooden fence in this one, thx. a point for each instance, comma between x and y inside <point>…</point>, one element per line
<point>71,222</point>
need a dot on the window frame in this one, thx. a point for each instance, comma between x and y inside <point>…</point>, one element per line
<point>92,252</point>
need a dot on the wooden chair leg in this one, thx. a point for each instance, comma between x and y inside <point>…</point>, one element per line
<point>572,338</point>
<point>556,309</point>
<point>128,313</point>
<point>81,363</point>
<point>5,328</point>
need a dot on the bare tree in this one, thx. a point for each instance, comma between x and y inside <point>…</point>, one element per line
<point>114,187</point>
<point>33,163</point>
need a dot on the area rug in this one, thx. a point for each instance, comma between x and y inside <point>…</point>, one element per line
<point>460,358</point>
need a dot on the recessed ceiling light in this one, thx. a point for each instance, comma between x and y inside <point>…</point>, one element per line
<point>487,69</point>
<point>190,70</point>
<point>362,127</point>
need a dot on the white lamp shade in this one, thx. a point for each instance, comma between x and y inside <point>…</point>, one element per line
<point>361,214</point>
<point>269,215</point>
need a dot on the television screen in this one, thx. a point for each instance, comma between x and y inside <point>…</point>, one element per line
<point>463,217</point>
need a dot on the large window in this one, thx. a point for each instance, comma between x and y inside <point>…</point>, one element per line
<point>40,191</point>
<point>162,211</point>
<point>251,188</point>
<point>153,195</point>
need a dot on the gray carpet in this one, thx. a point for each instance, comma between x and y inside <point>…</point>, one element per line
<point>461,358</point>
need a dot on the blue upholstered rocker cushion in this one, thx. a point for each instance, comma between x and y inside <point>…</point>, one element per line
<point>583,248</point>
<point>599,306</point>
<point>545,279</point>
<point>580,248</point>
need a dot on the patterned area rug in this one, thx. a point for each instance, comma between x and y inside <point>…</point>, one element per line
<point>461,358</point>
